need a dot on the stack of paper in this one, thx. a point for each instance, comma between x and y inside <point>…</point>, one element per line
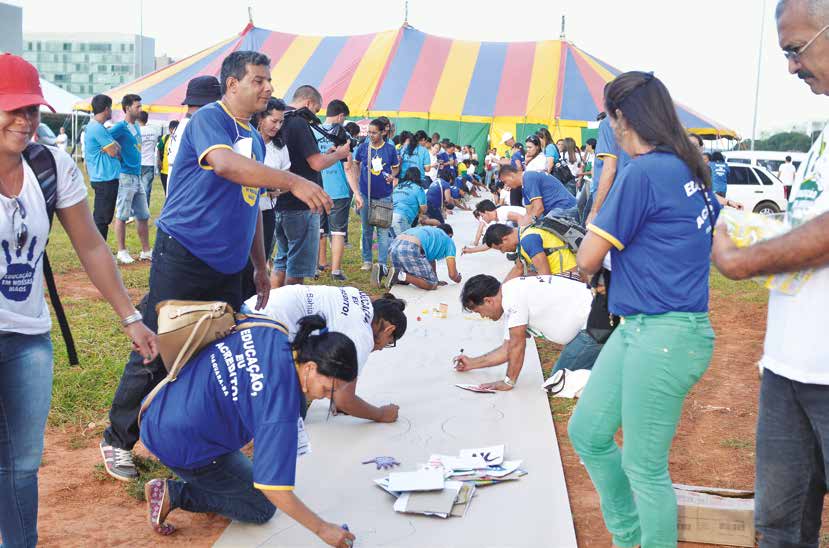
<point>445,486</point>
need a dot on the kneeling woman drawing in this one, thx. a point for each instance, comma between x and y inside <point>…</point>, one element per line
<point>252,384</point>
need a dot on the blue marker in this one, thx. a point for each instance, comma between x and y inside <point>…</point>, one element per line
<point>344,527</point>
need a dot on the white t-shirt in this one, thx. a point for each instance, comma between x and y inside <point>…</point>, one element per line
<point>276,158</point>
<point>346,310</point>
<point>787,173</point>
<point>491,161</point>
<point>552,307</point>
<point>796,326</point>
<point>22,303</point>
<point>504,210</point>
<point>60,141</point>
<point>505,197</point>
<point>433,161</point>
<point>175,142</point>
<point>149,140</point>
<point>539,163</point>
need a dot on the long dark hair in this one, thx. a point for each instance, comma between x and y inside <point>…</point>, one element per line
<point>647,106</point>
<point>412,176</point>
<point>334,353</point>
<point>544,134</point>
<point>273,104</point>
<point>390,308</point>
<point>411,146</point>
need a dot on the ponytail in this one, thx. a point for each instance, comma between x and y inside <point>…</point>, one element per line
<point>334,353</point>
<point>390,308</point>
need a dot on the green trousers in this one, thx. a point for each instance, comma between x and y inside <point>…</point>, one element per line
<point>639,382</point>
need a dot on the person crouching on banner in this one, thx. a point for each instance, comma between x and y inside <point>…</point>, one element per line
<point>657,222</point>
<point>250,385</point>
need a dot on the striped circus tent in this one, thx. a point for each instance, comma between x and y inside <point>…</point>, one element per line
<point>466,91</point>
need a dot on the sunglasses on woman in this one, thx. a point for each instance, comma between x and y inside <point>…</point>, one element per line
<point>21,232</point>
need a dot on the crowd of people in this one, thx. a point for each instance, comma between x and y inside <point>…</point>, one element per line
<point>612,244</point>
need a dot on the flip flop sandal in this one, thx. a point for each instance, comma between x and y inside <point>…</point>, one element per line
<point>156,494</point>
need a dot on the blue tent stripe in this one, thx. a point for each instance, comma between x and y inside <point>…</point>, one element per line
<point>486,79</point>
<point>254,40</point>
<point>578,102</point>
<point>162,89</point>
<point>690,120</point>
<point>319,64</point>
<point>398,78</point>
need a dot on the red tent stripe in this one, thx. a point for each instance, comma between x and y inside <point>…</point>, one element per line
<point>562,74</point>
<point>426,74</point>
<point>336,81</point>
<point>515,80</point>
<point>276,45</point>
<point>595,83</point>
<point>385,72</point>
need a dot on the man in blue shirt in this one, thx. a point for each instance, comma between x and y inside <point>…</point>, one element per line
<point>543,195</point>
<point>413,256</point>
<point>132,195</point>
<point>439,196</point>
<point>101,159</point>
<point>719,174</point>
<point>378,164</point>
<point>609,162</point>
<point>210,226</point>
<point>340,183</point>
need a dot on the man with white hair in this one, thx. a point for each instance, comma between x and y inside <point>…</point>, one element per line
<point>793,419</point>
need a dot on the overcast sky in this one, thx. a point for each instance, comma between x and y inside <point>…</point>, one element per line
<point>705,51</point>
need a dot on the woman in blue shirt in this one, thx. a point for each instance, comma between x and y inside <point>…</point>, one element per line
<point>409,200</point>
<point>657,224</point>
<point>250,385</point>
<point>412,154</point>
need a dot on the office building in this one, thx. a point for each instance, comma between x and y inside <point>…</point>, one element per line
<point>89,63</point>
<point>11,29</point>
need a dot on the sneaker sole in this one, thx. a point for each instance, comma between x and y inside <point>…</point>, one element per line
<point>110,472</point>
<point>376,274</point>
<point>391,278</point>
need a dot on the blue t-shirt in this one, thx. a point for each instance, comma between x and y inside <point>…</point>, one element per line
<point>436,192</point>
<point>537,184</point>
<point>606,145</point>
<point>454,159</point>
<point>436,243</point>
<point>129,137</point>
<point>419,158</point>
<point>380,162</point>
<point>99,165</point>
<point>241,387</point>
<point>658,221</point>
<point>407,198</point>
<point>551,151</point>
<point>333,177</point>
<point>517,159</point>
<point>719,176</point>
<point>212,217</point>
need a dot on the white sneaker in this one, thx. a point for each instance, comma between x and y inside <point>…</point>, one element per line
<point>124,257</point>
<point>145,256</point>
<point>366,267</point>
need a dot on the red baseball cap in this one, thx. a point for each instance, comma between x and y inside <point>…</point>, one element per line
<point>19,84</point>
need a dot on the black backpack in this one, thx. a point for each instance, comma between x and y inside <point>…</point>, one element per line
<point>561,171</point>
<point>43,164</point>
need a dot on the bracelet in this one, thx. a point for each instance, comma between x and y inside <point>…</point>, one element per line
<point>135,317</point>
<point>508,381</point>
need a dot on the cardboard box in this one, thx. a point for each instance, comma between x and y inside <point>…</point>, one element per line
<point>715,516</point>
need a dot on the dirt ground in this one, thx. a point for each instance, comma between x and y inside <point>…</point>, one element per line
<point>80,506</point>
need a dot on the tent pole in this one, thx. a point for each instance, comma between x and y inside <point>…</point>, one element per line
<point>759,70</point>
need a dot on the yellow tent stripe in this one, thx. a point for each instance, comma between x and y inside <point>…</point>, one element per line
<point>457,73</point>
<point>606,75</point>
<point>367,76</point>
<point>292,62</point>
<point>541,102</point>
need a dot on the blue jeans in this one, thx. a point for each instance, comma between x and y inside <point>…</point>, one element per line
<point>147,176</point>
<point>399,224</point>
<point>792,459</point>
<point>223,487</point>
<point>25,396</point>
<point>175,273</point>
<point>297,243</point>
<point>571,212</point>
<point>580,353</point>
<point>383,239</point>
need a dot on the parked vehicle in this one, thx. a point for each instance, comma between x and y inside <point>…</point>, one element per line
<point>757,188</point>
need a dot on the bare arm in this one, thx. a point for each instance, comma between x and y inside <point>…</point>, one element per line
<point>320,161</point>
<point>453,270</point>
<point>494,357</point>
<point>804,247</point>
<point>289,503</point>
<point>517,271</point>
<point>535,208</point>
<point>352,176</point>
<point>349,402</point>
<point>261,276</point>
<point>605,183</point>
<point>516,347</point>
<point>99,265</point>
<point>541,264</point>
<point>550,164</point>
<point>244,171</point>
<point>591,254</point>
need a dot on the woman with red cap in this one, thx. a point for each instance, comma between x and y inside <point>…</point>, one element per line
<point>25,345</point>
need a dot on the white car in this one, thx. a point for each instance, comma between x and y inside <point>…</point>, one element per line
<point>759,190</point>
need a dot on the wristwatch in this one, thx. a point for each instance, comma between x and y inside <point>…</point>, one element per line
<point>509,382</point>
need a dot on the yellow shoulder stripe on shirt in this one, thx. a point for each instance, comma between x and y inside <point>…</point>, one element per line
<point>203,154</point>
<point>606,235</point>
<point>273,487</point>
<point>109,145</point>
<point>606,155</point>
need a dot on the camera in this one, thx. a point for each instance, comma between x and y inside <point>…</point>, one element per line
<point>337,134</point>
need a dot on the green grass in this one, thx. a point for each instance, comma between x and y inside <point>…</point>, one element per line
<point>746,290</point>
<point>736,443</point>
